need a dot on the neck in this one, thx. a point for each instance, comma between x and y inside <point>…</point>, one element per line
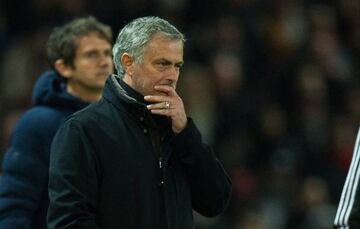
<point>126,78</point>
<point>85,95</point>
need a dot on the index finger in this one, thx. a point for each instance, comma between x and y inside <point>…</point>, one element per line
<point>168,89</point>
<point>156,98</point>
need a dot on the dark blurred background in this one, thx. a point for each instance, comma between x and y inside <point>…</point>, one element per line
<point>272,84</point>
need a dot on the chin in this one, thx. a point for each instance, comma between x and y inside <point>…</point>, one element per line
<point>103,76</point>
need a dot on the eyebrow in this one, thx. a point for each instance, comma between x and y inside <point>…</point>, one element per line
<point>170,62</point>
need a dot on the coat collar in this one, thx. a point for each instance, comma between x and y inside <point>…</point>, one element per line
<point>120,95</point>
<point>115,91</point>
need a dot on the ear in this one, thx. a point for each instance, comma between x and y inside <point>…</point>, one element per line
<point>63,69</point>
<point>127,63</point>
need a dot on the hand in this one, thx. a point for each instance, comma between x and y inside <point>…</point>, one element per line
<point>170,105</point>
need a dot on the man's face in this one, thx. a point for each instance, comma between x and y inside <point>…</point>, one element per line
<point>92,65</point>
<point>161,64</point>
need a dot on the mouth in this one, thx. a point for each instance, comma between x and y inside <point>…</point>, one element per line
<point>173,85</point>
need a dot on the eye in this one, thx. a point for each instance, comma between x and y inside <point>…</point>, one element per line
<point>92,55</point>
<point>163,63</point>
<point>178,66</point>
<point>107,53</point>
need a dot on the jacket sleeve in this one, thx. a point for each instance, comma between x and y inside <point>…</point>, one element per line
<point>23,183</point>
<point>209,184</point>
<point>348,212</point>
<point>73,179</point>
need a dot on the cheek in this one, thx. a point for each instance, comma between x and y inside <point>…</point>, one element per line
<point>148,84</point>
<point>85,66</point>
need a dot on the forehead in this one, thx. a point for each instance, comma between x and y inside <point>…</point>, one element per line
<point>160,47</point>
<point>91,41</point>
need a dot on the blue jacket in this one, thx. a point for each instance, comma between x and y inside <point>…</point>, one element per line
<point>23,184</point>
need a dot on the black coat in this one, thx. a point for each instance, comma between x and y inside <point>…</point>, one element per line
<point>113,165</point>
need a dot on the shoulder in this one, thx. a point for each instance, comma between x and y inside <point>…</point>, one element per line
<point>39,122</point>
<point>41,116</point>
<point>94,113</point>
<point>97,118</point>
<point>34,130</point>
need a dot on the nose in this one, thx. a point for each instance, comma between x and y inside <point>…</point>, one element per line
<point>173,74</point>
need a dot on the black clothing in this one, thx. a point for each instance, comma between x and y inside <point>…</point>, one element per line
<point>113,166</point>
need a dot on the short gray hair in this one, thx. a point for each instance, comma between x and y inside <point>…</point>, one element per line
<point>133,37</point>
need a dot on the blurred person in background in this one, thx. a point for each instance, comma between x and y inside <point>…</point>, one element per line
<point>134,159</point>
<point>79,55</point>
<point>348,212</point>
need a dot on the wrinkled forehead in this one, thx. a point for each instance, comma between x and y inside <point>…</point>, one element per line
<point>162,47</point>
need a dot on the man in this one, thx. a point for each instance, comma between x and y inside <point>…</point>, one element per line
<point>348,212</point>
<point>134,160</point>
<point>80,57</point>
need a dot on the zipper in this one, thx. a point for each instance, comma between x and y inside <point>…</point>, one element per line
<point>156,142</point>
